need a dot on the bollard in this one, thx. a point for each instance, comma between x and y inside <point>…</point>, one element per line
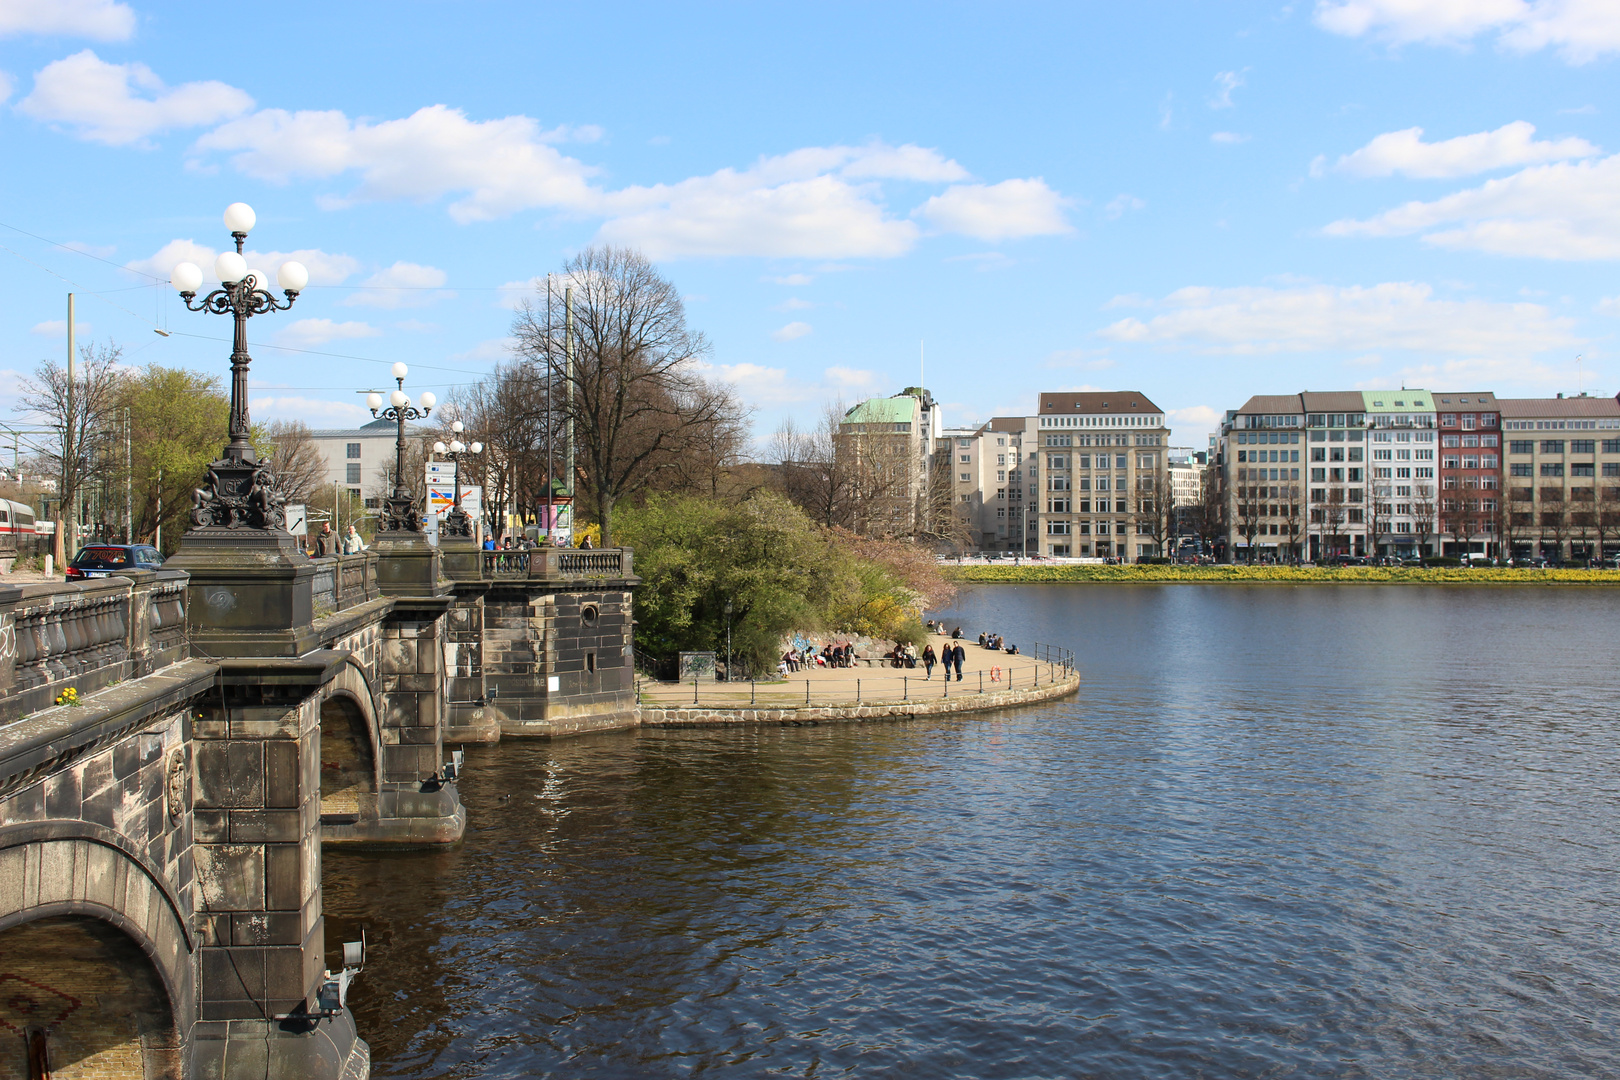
<point>694,690</point>
<point>857,691</point>
<point>752,691</point>
<point>981,682</point>
<point>807,691</point>
<point>905,688</point>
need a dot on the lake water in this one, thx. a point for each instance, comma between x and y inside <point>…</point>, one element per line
<point>1351,831</point>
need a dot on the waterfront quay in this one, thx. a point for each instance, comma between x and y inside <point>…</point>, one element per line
<point>990,679</point>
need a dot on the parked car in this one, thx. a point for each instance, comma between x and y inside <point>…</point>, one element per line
<point>104,560</point>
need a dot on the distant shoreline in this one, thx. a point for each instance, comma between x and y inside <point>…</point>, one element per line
<point>1273,575</point>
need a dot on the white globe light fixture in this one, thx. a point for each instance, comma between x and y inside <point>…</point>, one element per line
<point>240,490</point>
<point>293,277</point>
<point>438,448</point>
<point>399,511</point>
<point>457,446</point>
<point>428,401</point>
<point>186,278</point>
<point>240,218</point>
<point>230,268</point>
<point>477,448</point>
<point>456,427</point>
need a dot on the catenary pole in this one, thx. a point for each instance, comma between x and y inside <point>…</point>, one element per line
<point>568,382</point>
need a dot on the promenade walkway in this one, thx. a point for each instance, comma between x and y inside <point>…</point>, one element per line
<point>984,671</point>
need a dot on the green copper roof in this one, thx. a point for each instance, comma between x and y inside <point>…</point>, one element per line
<point>1397,401</point>
<point>894,410</point>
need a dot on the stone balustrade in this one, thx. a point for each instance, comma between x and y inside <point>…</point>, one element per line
<point>545,564</point>
<point>344,581</point>
<point>87,635</point>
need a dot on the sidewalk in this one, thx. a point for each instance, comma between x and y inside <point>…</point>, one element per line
<point>983,671</point>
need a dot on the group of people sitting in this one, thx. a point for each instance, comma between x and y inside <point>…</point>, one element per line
<point>993,641</point>
<point>986,641</point>
<point>830,656</point>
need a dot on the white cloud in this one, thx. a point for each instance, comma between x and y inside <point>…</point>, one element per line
<point>1010,209</point>
<point>55,328</point>
<point>403,285</point>
<point>99,20</point>
<point>791,331</point>
<point>324,268</point>
<point>1225,83</point>
<point>487,350</point>
<point>1195,416</point>
<point>744,213</point>
<point>308,333</point>
<point>502,165</point>
<point>1561,211</point>
<point>7,85</point>
<point>416,326</point>
<point>308,409</point>
<point>1316,318</point>
<point>1120,205</point>
<point>793,303</point>
<point>1582,30</point>
<point>1228,138</point>
<point>1086,359</point>
<point>119,104</point>
<point>791,279</point>
<point>1609,305</point>
<point>1406,153</point>
<point>851,378</point>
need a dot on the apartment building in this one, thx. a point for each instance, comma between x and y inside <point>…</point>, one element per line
<point>885,448</point>
<point>986,485</point>
<point>1095,470</point>
<point>1561,491</point>
<point>362,459</point>
<point>1261,447</point>
<point>1470,473</point>
<point>1402,516</point>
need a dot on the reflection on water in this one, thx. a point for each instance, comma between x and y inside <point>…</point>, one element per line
<point>1356,831</point>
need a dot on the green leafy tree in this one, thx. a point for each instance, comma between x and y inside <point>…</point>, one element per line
<point>178,420</point>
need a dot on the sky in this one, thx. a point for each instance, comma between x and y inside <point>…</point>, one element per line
<point>1201,201</point>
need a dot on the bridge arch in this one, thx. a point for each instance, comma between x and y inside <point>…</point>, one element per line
<point>95,961</point>
<point>351,748</point>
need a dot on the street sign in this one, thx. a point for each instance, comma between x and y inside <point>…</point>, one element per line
<point>441,497</point>
<point>297,519</point>
<point>561,525</point>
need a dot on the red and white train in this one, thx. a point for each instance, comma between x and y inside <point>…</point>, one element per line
<point>16,521</point>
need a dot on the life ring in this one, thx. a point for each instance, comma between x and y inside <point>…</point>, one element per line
<point>995,674</point>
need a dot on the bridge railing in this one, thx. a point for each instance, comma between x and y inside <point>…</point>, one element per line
<point>548,564</point>
<point>344,581</point>
<point>87,635</point>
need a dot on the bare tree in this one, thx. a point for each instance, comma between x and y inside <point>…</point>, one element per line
<point>74,409</point>
<point>300,466</point>
<point>1212,513</point>
<point>1331,516</point>
<point>1423,515</point>
<point>633,387</point>
<point>1605,515</point>
<point>1249,510</point>
<point>811,475</point>
<point>1155,502</point>
<point>1379,523</point>
<point>1553,516</point>
<point>1294,522</point>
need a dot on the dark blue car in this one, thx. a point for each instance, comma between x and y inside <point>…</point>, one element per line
<point>104,560</point>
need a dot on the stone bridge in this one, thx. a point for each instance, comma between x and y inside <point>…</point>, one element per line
<point>160,836</point>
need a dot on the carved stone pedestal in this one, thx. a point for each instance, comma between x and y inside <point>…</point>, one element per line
<point>250,592</point>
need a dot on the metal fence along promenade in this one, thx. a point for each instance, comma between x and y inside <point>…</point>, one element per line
<point>985,671</point>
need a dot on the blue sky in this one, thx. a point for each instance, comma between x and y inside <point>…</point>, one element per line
<point>1198,200</point>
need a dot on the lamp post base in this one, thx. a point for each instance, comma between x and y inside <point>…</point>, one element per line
<point>250,594</point>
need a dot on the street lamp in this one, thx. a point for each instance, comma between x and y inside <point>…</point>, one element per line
<point>399,509</point>
<point>456,522</point>
<point>240,489</point>
<point>728,641</point>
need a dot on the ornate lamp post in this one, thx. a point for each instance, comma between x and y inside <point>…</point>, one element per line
<point>456,522</point>
<point>399,512</point>
<point>241,490</point>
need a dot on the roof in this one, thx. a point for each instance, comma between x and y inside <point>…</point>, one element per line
<point>1396,401</point>
<point>377,429</point>
<point>1114,401</point>
<point>1464,398</point>
<point>1007,423</point>
<point>900,409</point>
<point>1332,401</point>
<point>1565,407</point>
<point>1272,404</point>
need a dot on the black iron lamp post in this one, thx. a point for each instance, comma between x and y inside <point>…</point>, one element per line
<point>729,675</point>
<point>456,522</point>
<point>399,513</point>
<point>240,491</point>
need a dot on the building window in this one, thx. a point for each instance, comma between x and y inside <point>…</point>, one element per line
<point>1528,446</point>
<point>1582,446</point>
<point>1580,469</point>
<point>1552,468</point>
<point>966,459</point>
<point>352,450</point>
<point>1552,446</point>
<point>1057,528</point>
<point>967,478</point>
<point>352,474</point>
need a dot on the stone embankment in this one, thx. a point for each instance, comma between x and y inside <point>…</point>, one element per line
<point>703,715</point>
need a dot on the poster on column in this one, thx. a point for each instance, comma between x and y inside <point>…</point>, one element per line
<point>441,497</point>
<point>557,519</point>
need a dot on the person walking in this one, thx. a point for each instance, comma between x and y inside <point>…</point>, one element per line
<point>352,544</point>
<point>323,541</point>
<point>960,654</point>
<point>928,659</point>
